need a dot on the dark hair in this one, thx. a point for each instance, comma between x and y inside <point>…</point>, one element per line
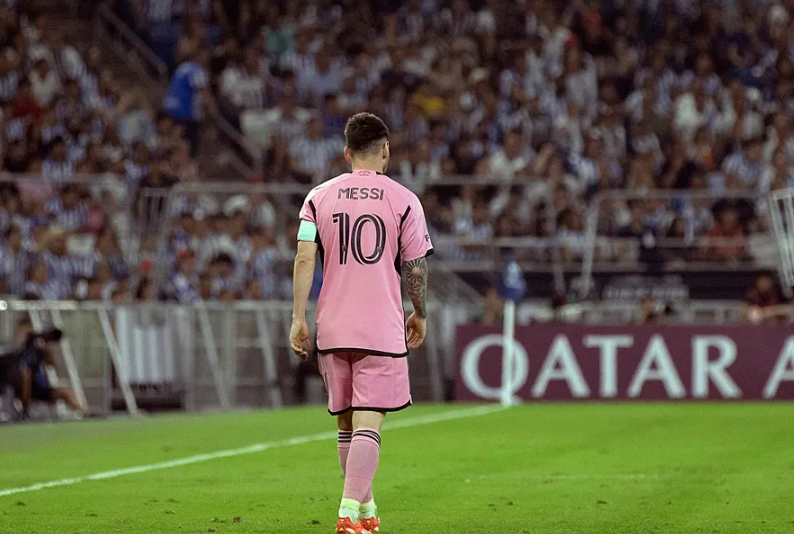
<point>363,131</point>
<point>223,257</point>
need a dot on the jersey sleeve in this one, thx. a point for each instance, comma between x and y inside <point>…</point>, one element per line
<point>309,209</point>
<point>414,238</point>
<point>307,231</point>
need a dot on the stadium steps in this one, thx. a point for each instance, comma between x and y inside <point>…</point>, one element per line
<point>218,159</point>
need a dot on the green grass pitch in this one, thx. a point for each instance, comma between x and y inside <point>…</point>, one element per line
<point>544,468</point>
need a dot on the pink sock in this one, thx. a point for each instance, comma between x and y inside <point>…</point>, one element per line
<point>343,444</point>
<point>362,463</point>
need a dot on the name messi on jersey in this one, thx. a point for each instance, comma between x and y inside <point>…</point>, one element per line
<point>360,193</point>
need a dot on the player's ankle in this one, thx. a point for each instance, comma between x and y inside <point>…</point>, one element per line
<point>368,510</point>
<point>350,509</point>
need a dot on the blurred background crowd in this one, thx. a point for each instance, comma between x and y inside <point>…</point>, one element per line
<point>509,118</point>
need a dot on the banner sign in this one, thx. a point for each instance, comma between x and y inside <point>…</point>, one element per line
<point>588,362</point>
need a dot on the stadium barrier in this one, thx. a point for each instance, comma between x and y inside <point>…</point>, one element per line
<point>227,355</point>
<point>596,362</point>
<point>158,208</point>
<point>213,355</point>
<point>601,252</point>
<point>558,254</point>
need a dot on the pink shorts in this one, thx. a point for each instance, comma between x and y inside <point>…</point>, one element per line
<point>356,381</point>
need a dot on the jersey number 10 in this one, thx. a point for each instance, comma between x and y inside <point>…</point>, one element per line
<point>346,235</point>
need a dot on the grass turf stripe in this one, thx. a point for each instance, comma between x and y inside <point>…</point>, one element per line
<point>251,449</point>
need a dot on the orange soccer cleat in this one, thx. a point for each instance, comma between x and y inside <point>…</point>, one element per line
<point>371,523</point>
<point>345,525</point>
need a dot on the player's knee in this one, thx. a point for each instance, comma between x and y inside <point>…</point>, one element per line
<point>368,419</point>
<point>345,421</point>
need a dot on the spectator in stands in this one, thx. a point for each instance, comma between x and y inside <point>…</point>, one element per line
<point>334,116</point>
<point>743,169</point>
<point>9,76</point>
<point>729,236</point>
<point>179,165</point>
<point>189,97</point>
<point>765,302</point>
<point>62,268</point>
<point>571,234</point>
<point>262,264</point>
<point>185,282</point>
<point>779,174</point>
<point>15,261</point>
<point>242,87</point>
<point>320,78</point>
<point>311,155</point>
<point>512,159</point>
<point>108,252</point>
<point>45,82</point>
<point>41,286</point>
<point>641,97</point>
<point>225,276</point>
<point>24,104</point>
<point>68,211</point>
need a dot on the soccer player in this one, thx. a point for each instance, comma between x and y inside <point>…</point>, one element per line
<point>369,231</point>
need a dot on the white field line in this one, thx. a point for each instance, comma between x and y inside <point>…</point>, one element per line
<point>251,449</point>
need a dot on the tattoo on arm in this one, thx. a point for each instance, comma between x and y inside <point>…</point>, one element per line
<point>415,278</point>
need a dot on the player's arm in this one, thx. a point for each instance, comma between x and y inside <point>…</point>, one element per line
<point>415,280</point>
<point>302,279</point>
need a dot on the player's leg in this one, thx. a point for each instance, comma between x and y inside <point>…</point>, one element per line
<point>380,385</point>
<point>344,423</point>
<point>337,373</point>
<point>362,465</point>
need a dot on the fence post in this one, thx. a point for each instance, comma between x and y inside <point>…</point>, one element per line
<point>118,364</point>
<point>211,349</point>
<point>434,362</point>
<point>268,354</point>
<point>69,361</point>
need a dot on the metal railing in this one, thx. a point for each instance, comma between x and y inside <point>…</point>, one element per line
<point>114,34</point>
<point>254,156</point>
<point>231,355</point>
<point>446,284</point>
<point>609,246</point>
<point>211,355</point>
<point>781,210</point>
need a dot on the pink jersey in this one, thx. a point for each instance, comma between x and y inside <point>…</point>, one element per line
<point>367,226</point>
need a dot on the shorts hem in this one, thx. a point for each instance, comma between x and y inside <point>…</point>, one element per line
<point>368,352</point>
<point>371,409</point>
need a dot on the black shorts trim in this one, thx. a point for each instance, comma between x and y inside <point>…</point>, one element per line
<point>371,409</point>
<point>368,352</point>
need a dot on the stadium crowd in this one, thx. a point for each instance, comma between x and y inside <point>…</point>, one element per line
<point>65,121</point>
<point>551,101</point>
